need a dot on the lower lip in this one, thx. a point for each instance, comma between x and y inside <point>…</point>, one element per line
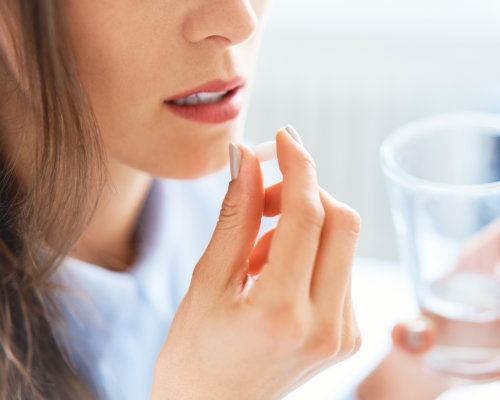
<point>215,113</point>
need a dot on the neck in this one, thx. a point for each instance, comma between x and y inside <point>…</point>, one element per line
<point>108,240</point>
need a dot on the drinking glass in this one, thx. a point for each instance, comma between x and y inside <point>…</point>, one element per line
<point>443,178</point>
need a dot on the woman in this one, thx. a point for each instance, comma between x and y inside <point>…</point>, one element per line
<point>100,99</point>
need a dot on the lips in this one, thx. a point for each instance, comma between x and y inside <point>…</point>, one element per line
<point>213,102</point>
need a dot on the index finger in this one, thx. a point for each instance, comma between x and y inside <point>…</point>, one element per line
<point>296,239</point>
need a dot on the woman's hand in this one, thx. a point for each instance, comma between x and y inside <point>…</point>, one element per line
<point>481,253</point>
<point>233,340</point>
<point>402,374</point>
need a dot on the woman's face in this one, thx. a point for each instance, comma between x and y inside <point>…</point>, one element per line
<point>140,60</point>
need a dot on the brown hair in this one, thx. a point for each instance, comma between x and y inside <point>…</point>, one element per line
<point>47,194</point>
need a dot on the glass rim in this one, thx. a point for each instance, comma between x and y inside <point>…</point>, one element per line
<point>427,125</point>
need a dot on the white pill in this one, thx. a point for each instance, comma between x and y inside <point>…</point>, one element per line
<point>265,151</point>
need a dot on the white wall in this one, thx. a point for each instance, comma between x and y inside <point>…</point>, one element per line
<point>346,73</point>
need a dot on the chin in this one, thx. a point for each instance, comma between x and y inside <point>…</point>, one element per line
<point>204,167</point>
<point>193,153</point>
<point>187,165</point>
<point>204,157</point>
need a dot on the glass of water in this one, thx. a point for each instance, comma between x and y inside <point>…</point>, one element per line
<point>443,176</point>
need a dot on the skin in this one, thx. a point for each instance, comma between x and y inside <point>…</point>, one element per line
<point>402,374</point>
<point>414,380</point>
<point>225,341</point>
<point>131,56</point>
<point>297,319</point>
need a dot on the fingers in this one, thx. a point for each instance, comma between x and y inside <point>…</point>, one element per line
<point>416,337</point>
<point>258,256</point>
<point>296,239</point>
<point>335,255</point>
<point>337,247</point>
<point>224,260</point>
<point>272,203</point>
<point>351,342</point>
<point>481,253</point>
<point>351,333</point>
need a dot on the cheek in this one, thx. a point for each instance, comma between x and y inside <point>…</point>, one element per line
<point>129,60</point>
<point>117,60</point>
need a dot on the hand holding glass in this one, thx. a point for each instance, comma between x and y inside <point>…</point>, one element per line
<point>443,177</point>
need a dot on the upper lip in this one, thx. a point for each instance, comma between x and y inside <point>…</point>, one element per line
<point>215,86</point>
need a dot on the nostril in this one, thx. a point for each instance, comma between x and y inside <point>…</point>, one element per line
<point>228,22</point>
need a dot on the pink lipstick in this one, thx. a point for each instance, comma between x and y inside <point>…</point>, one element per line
<point>213,102</point>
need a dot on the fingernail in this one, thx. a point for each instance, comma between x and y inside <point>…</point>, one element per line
<point>415,337</point>
<point>294,134</point>
<point>234,161</point>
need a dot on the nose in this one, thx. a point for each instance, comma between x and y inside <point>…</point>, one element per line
<point>228,21</point>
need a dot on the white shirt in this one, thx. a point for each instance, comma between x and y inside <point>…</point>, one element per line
<point>117,322</point>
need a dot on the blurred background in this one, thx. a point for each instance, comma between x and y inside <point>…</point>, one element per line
<point>347,73</point>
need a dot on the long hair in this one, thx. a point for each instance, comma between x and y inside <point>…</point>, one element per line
<point>49,187</point>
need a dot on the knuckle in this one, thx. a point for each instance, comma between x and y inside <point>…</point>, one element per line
<point>306,161</point>
<point>349,219</point>
<point>357,343</point>
<point>327,342</point>
<point>228,215</point>
<point>351,341</point>
<point>282,311</point>
<point>332,342</point>
<point>311,212</point>
<point>285,325</point>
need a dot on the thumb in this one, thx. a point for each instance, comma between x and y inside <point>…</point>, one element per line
<point>225,258</point>
<point>417,336</point>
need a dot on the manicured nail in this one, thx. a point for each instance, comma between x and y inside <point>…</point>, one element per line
<point>234,161</point>
<point>293,133</point>
<point>415,337</point>
<point>265,151</point>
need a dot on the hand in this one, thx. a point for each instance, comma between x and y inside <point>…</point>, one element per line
<point>402,375</point>
<point>481,254</point>
<point>233,340</point>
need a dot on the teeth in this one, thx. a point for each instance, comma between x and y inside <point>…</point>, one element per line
<point>200,98</point>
